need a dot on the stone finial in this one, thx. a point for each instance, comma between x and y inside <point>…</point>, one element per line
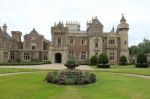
<point>122,18</point>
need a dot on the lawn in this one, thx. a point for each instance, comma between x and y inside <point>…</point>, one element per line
<point>108,86</point>
<point>145,72</point>
<point>14,70</point>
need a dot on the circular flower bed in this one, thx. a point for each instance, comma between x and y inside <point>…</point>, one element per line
<point>70,77</point>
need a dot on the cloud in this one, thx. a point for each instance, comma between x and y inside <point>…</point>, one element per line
<point>24,15</point>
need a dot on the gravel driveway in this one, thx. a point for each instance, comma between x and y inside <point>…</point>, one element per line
<point>49,66</point>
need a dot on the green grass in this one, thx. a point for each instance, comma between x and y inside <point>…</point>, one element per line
<point>130,69</point>
<point>108,86</point>
<point>14,70</point>
<point>145,72</point>
<point>122,67</point>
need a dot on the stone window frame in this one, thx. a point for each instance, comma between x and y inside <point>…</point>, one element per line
<point>71,41</point>
<point>45,57</point>
<point>71,54</point>
<point>83,41</point>
<point>12,56</point>
<point>96,42</point>
<point>33,46</point>
<point>111,41</point>
<point>111,55</point>
<point>59,41</point>
<point>27,56</point>
<point>83,55</point>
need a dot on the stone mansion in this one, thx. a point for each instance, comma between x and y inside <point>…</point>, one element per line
<point>67,41</point>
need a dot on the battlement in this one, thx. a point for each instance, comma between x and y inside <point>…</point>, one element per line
<point>73,26</point>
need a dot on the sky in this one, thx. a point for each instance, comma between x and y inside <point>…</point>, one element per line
<point>24,15</point>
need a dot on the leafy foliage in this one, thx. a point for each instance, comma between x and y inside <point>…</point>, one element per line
<point>102,59</point>
<point>93,60</point>
<point>143,47</point>
<point>70,77</point>
<point>123,60</point>
<point>141,60</point>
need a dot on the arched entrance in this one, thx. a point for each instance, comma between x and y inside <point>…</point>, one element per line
<point>58,58</point>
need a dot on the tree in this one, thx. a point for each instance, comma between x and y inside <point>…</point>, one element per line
<point>123,60</point>
<point>141,60</point>
<point>93,60</point>
<point>144,47</point>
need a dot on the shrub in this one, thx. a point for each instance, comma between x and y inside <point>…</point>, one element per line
<point>87,78</point>
<point>92,78</point>
<point>47,62</point>
<point>123,60</point>
<point>69,81</point>
<point>93,60</point>
<point>141,60</point>
<point>103,66</point>
<point>48,77</point>
<point>144,65</point>
<point>103,61</point>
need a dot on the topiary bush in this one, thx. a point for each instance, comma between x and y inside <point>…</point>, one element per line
<point>93,60</point>
<point>123,60</point>
<point>103,61</point>
<point>141,60</point>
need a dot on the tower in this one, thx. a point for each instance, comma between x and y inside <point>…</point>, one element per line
<point>58,48</point>
<point>122,31</point>
<point>95,31</point>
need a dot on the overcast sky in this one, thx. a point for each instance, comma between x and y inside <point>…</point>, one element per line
<point>24,15</point>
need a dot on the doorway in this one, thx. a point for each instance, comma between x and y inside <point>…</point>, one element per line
<point>58,58</point>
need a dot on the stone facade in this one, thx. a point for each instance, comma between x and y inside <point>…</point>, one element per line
<point>34,48</point>
<point>69,41</point>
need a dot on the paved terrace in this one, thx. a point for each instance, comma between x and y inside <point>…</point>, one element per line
<point>49,66</point>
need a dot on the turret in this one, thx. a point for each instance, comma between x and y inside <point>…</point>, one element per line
<point>122,31</point>
<point>4,28</point>
<point>123,25</point>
